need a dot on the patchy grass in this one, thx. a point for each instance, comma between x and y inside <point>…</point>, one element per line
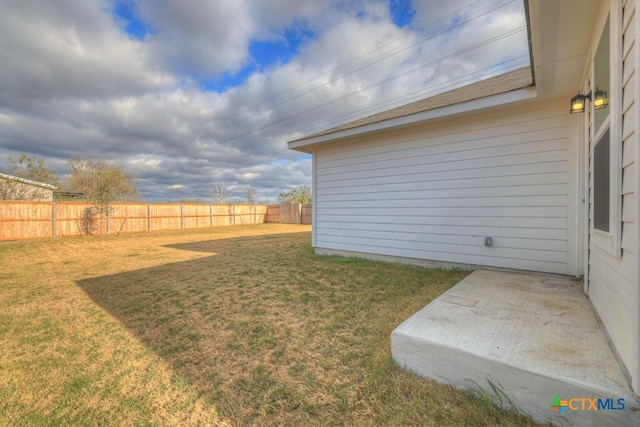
<point>238,325</point>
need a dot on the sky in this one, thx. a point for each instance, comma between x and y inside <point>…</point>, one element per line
<point>187,95</point>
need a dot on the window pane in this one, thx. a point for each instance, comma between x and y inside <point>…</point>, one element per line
<point>601,183</point>
<point>601,75</point>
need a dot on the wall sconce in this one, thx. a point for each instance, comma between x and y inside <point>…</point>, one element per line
<point>579,101</point>
<point>600,99</point>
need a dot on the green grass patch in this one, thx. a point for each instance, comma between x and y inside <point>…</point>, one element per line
<point>230,326</point>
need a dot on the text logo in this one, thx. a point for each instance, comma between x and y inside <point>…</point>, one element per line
<point>586,404</point>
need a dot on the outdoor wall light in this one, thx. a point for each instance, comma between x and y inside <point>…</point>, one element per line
<point>600,99</point>
<point>579,101</point>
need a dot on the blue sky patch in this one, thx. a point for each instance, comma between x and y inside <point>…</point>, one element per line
<point>281,50</point>
<point>134,27</point>
<point>401,12</point>
<point>227,81</point>
<point>264,54</point>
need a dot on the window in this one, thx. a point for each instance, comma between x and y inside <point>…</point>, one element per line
<point>601,179</point>
<point>601,136</point>
<point>602,75</point>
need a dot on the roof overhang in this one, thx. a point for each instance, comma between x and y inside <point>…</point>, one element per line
<point>306,144</point>
<point>26,181</point>
<point>560,36</point>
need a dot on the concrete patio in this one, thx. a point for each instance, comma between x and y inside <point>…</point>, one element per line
<point>536,336</point>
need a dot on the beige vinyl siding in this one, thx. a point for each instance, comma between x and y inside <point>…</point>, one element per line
<point>613,286</point>
<point>435,191</point>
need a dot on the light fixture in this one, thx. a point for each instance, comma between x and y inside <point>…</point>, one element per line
<point>600,99</point>
<point>579,102</point>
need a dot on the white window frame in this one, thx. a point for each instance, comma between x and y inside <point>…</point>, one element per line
<point>610,241</point>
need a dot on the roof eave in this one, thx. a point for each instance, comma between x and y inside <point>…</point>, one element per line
<point>518,95</point>
<point>27,181</point>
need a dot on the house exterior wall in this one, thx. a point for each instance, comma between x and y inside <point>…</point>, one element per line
<point>435,191</point>
<point>613,271</point>
<point>26,191</point>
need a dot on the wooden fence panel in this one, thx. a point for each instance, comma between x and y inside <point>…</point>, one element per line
<point>196,216</point>
<point>305,216</point>
<point>222,215</point>
<point>260,214</point>
<point>79,219</point>
<point>273,213</point>
<point>29,219</point>
<point>244,214</point>
<point>25,220</point>
<point>128,218</point>
<point>164,217</point>
<point>290,213</point>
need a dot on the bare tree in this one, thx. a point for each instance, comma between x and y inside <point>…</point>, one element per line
<point>222,195</point>
<point>101,182</point>
<point>251,196</point>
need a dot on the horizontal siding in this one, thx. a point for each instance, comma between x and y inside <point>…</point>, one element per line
<point>389,221</point>
<point>613,297</point>
<point>529,141</point>
<point>453,254</point>
<point>629,236</point>
<point>436,191</point>
<point>521,164</point>
<point>530,190</point>
<point>509,130</point>
<point>488,201</point>
<point>629,146</point>
<point>536,244</point>
<point>629,172</point>
<point>496,231</point>
<point>613,286</point>
<point>472,183</point>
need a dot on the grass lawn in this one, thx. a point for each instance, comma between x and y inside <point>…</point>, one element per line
<point>230,326</point>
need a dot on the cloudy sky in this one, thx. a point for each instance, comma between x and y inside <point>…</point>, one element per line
<point>190,94</point>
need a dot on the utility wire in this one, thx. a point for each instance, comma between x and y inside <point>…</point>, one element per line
<point>384,57</point>
<point>369,87</point>
<point>420,94</point>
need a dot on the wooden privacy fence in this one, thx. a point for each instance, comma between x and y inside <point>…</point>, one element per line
<point>294,213</point>
<point>28,220</point>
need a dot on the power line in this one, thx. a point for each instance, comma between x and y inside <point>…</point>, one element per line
<point>271,104</point>
<point>369,87</point>
<point>420,94</point>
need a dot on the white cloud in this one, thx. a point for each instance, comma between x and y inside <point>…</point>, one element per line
<point>75,85</point>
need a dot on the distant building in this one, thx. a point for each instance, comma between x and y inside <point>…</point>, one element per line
<point>16,188</point>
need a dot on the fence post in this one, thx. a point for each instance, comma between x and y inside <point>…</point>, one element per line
<point>210,215</point>
<point>234,214</point>
<point>53,219</point>
<point>181,218</point>
<point>107,215</point>
<point>148,218</point>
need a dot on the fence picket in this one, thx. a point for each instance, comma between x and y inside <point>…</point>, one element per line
<point>30,219</point>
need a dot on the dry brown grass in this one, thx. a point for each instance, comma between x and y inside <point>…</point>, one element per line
<point>235,325</point>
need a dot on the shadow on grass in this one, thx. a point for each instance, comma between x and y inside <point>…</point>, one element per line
<point>269,333</point>
<point>230,324</point>
<point>210,317</point>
